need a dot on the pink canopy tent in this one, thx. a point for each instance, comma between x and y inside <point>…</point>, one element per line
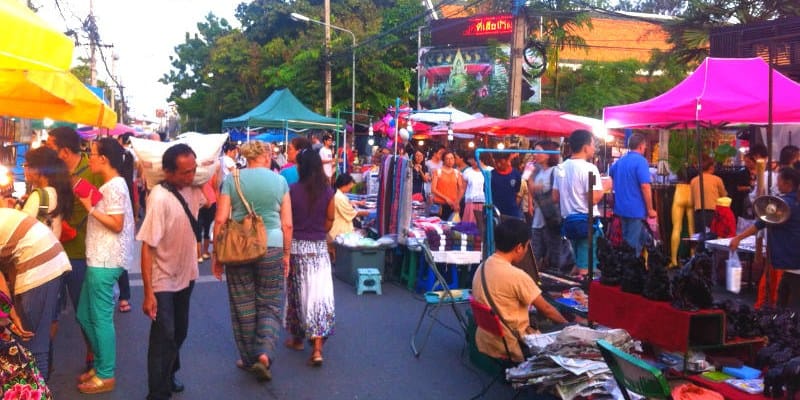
<point>721,91</point>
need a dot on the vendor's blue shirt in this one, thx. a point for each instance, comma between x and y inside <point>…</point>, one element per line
<point>784,238</point>
<point>504,192</point>
<point>629,173</point>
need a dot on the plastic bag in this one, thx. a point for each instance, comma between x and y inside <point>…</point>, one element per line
<point>733,273</point>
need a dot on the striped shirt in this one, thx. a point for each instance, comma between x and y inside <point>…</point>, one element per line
<point>30,254</point>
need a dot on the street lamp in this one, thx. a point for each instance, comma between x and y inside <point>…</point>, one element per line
<point>303,18</point>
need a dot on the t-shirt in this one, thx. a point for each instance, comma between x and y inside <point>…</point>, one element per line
<point>76,248</point>
<point>543,178</point>
<point>713,188</point>
<point>629,173</point>
<point>309,215</point>
<point>343,217</point>
<point>167,229</point>
<point>31,207</point>
<point>474,180</point>
<point>418,179</point>
<point>30,254</point>
<point>326,154</point>
<point>784,251</point>
<point>264,190</point>
<point>105,248</point>
<point>290,174</point>
<point>513,292</point>
<point>433,166</point>
<point>572,183</point>
<point>504,191</point>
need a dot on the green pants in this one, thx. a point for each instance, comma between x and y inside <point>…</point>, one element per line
<point>96,316</point>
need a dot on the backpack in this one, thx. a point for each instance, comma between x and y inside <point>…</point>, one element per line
<point>551,211</point>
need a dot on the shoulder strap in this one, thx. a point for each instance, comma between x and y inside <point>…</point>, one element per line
<point>495,310</point>
<point>43,214</point>
<point>192,219</point>
<point>238,185</point>
<point>80,170</point>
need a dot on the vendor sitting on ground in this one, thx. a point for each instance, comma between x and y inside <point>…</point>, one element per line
<point>512,290</point>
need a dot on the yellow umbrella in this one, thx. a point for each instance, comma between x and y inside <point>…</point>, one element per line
<point>28,42</point>
<point>57,95</point>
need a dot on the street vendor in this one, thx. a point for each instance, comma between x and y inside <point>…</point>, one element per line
<point>783,237</point>
<point>512,290</point>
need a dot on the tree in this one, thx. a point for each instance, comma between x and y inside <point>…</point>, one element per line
<point>690,34</point>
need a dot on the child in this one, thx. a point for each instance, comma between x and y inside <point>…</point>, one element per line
<point>19,377</point>
<point>784,252</point>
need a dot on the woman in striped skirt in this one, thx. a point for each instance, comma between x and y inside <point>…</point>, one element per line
<point>255,290</point>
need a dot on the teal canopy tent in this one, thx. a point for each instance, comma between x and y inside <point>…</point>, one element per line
<point>281,110</point>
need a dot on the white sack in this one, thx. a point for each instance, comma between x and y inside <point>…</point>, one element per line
<point>207,147</point>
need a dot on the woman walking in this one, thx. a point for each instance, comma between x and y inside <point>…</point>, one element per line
<point>310,312</point>
<point>109,251</point>
<point>255,290</point>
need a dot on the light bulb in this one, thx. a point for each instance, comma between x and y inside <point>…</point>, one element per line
<point>501,146</point>
<point>421,142</point>
<point>371,141</point>
<point>471,144</point>
<point>371,132</point>
<point>409,127</point>
<point>450,137</point>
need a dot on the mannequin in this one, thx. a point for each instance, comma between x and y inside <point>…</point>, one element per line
<point>681,206</point>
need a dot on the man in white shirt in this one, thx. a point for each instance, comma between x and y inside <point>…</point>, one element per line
<point>326,154</point>
<point>571,187</point>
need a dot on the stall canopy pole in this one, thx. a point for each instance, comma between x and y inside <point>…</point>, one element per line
<point>396,124</point>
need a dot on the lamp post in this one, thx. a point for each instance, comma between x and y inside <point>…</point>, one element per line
<point>303,18</point>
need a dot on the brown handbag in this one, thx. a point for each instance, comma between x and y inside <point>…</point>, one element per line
<point>241,242</point>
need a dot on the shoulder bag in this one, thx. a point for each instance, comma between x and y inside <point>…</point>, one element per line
<point>241,242</point>
<point>526,353</point>
<point>550,209</point>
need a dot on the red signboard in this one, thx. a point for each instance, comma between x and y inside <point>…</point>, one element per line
<point>476,30</point>
<point>489,25</point>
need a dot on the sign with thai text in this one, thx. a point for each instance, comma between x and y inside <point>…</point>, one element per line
<point>476,30</point>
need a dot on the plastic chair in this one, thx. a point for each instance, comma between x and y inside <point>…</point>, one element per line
<point>434,300</point>
<point>632,373</point>
<point>487,320</point>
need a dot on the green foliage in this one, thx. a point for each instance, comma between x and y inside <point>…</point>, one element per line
<point>596,85</point>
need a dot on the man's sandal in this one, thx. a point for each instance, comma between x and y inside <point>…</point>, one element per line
<point>86,376</point>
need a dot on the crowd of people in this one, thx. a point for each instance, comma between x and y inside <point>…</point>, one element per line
<point>85,202</point>
<point>71,238</point>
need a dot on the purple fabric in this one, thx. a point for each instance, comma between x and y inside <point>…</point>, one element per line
<point>715,94</point>
<point>308,215</point>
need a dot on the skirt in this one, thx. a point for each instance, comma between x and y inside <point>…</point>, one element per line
<point>310,308</point>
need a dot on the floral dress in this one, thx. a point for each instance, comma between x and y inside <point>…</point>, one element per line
<point>19,376</point>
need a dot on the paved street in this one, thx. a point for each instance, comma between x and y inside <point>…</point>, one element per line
<point>368,357</point>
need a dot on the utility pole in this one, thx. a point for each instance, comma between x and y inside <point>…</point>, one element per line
<point>92,48</point>
<point>328,95</point>
<point>519,31</point>
<point>114,58</point>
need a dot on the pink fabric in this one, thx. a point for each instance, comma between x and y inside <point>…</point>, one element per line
<point>721,91</point>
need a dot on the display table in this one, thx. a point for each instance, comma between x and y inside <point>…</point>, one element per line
<point>727,391</point>
<point>658,323</point>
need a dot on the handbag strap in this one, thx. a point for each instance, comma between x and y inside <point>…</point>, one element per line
<point>238,184</point>
<point>192,219</point>
<point>494,308</point>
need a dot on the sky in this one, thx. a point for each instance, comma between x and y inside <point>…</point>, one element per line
<point>144,34</point>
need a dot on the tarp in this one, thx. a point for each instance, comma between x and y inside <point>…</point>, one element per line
<point>719,92</point>
<point>117,130</point>
<point>442,115</point>
<point>281,109</point>
<point>549,123</point>
<point>28,42</point>
<point>57,95</point>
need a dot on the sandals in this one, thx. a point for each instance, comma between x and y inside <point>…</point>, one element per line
<point>87,376</point>
<point>294,344</point>
<point>261,369</point>
<point>97,385</point>
<point>124,306</point>
<point>316,359</point>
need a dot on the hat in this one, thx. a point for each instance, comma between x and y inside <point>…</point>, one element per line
<point>724,201</point>
<point>5,305</point>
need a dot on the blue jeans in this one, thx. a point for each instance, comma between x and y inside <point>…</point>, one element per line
<point>167,334</point>
<point>35,308</point>
<point>633,232</point>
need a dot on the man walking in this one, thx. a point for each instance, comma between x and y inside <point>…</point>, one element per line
<point>633,199</point>
<point>169,266</point>
<point>571,188</point>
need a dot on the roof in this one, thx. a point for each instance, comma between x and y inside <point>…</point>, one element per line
<point>281,110</point>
